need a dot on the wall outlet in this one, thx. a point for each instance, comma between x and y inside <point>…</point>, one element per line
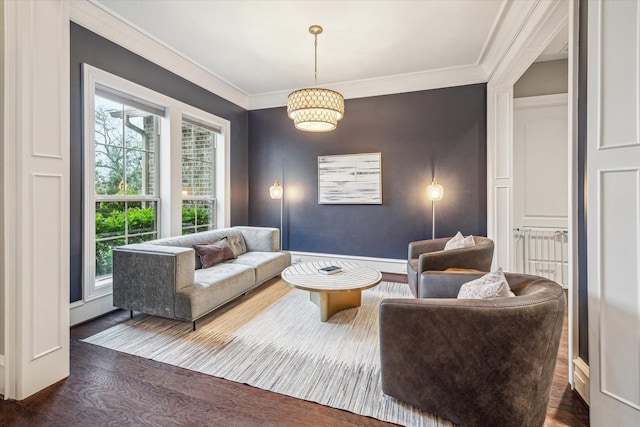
<point>404,269</point>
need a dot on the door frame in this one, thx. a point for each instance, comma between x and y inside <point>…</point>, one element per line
<point>546,20</point>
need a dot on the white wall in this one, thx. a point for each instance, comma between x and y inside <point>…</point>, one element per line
<point>543,78</point>
<point>2,192</point>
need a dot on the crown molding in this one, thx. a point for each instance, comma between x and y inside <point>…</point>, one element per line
<point>545,20</point>
<point>510,22</point>
<point>122,32</point>
<point>511,19</point>
<point>433,79</point>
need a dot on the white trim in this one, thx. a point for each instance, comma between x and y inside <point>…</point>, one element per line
<point>543,22</point>
<point>411,82</point>
<point>10,239</point>
<point>2,374</point>
<point>508,24</point>
<point>85,311</point>
<point>385,265</point>
<point>107,24</point>
<point>540,101</point>
<point>581,379</point>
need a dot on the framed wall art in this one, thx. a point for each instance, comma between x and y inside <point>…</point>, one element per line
<point>350,179</point>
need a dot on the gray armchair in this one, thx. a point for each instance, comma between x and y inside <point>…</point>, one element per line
<point>426,255</point>
<point>474,362</point>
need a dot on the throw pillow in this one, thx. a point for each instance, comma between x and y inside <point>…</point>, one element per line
<point>459,241</point>
<point>491,285</point>
<point>215,253</point>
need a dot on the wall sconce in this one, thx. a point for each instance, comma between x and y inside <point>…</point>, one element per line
<point>435,192</point>
<point>276,192</point>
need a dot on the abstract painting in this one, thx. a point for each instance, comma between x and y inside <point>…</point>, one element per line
<point>350,179</point>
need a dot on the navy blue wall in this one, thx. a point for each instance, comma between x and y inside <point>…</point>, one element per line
<point>88,47</point>
<point>441,132</point>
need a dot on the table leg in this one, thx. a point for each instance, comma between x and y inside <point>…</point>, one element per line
<point>332,302</point>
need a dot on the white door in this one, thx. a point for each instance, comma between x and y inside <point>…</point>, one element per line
<point>540,179</point>
<point>540,187</point>
<point>613,213</point>
<point>36,191</point>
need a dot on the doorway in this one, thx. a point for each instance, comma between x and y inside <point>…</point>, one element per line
<point>540,242</point>
<point>547,21</point>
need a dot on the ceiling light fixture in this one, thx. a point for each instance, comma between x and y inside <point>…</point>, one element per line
<point>315,109</point>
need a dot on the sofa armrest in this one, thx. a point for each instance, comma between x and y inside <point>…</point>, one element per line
<point>424,246</point>
<point>477,257</point>
<point>261,239</point>
<point>444,284</point>
<point>146,277</point>
<point>433,351</point>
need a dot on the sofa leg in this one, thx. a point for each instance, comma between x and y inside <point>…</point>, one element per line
<point>193,326</point>
<point>130,314</point>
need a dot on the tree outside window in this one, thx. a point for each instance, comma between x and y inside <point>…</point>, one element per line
<point>126,208</point>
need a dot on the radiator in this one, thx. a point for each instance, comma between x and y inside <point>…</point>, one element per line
<point>543,252</point>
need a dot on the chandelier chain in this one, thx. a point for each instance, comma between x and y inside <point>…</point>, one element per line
<point>315,69</point>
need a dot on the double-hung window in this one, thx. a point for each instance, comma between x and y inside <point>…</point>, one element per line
<point>125,177</point>
<point>154,167</point>
<point>198,176</point>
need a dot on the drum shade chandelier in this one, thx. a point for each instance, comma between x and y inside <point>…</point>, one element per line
<point>315,109</point>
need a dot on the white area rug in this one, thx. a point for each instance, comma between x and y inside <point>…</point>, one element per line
<point>273,339</point>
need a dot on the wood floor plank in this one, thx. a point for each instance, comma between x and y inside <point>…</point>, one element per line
<point>111,388</point>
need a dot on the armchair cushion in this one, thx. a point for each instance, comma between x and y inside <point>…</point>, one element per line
<point>491,285</point>
<point>459,241</point>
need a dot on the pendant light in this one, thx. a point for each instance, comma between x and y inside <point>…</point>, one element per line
<point>315,109</point>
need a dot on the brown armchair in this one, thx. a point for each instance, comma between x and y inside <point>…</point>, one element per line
<point>425,255</point>
<point>474,362</point>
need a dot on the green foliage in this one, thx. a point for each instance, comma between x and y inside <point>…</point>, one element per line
<point>111,221</point>
<point>192,214</point>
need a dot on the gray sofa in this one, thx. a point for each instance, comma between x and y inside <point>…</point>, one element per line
<point>163,277</point>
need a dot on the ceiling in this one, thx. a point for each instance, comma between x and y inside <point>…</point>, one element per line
<point>264,47</point>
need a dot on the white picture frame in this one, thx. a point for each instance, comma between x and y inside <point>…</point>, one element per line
<point>351,179</point>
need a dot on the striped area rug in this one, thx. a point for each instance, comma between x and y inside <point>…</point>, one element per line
<point>273,339</point>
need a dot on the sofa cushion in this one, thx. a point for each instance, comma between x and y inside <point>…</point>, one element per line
<point>237,243</point>
<point>459,241</point>
<point>213,287</point>
<point>266,264</point>
<point>215,253</point>
<point>491,285</point>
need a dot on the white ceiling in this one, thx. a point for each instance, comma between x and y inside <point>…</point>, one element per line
<point>262,47</point>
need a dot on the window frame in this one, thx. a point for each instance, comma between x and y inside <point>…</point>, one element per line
<point>211,198</point>
<point>169,166</point>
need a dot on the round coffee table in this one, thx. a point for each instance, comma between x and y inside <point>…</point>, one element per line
<point>332,292</point>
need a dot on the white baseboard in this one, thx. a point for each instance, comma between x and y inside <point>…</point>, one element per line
<point>84,311</point>
<point>2,375</point>
<point>385,265</point>
<point>581,378</point>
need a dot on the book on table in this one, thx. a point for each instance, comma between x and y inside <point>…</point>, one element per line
<point>331,269</point>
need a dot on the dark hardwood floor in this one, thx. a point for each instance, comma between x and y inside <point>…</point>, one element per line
<point>111,388</point>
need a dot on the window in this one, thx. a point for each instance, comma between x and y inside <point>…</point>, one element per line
<point>198,177</point>
<point>125,183</point>
<point>154,167</point>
